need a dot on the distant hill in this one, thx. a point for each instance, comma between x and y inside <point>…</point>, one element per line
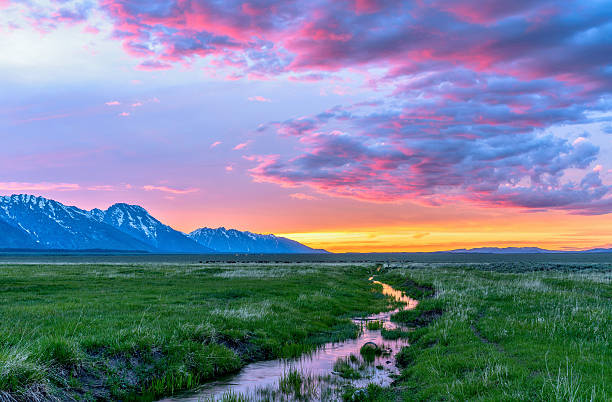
<point>521,250</point>
<point>29,222</point>
<point>235,241</point>
<point>599,250</point>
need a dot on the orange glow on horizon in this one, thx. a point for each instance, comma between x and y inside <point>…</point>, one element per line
<point>344,225</point>
<point>411,241</point>
<point>550,230</point>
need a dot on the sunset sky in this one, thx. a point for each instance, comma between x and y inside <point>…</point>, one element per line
<point>352,125</point>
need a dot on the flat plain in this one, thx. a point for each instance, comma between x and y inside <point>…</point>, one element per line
<point>516,329</point>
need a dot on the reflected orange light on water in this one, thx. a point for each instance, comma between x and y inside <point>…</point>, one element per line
<point>398,295</point>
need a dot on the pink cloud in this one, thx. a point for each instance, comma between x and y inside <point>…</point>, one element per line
<point>252,9</point>
<point>170,190</point>
<point>366,6</point>
<point>482,12</point>
<point>578,140</point>
<point>41,186</point>
<point>259,99</point>
<point>102,188</point>
<point>136,104</point>
<point>113,103</point>
<point>241,146</point>
<point>400,156</point>
<point>332,36</point>
<point>44,118</point>
<point>229,168</point>
<point>91,30</point>
<point>124,114</point>
<point>302,196</point>
<point>215,144</point>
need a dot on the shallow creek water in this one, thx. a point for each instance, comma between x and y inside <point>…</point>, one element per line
<point>260,375</point>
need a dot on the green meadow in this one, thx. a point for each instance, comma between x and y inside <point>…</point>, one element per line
<point>139,332</point>
<point>143,331</point>
<point>498,333</point>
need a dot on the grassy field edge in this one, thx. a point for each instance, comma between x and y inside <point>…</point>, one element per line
<point>493,334</point>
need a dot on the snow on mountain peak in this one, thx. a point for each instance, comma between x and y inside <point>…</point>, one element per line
<point>28,221</point>
<point>232,240</point>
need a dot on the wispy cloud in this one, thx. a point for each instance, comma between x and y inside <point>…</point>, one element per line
<point>170,190</point>
<point>102,188</point>
<point>91,30</point>
<point>41,186</point>
<point>259,99</point>
<point>302,196</point>
<point>124,114</point>
<point>153,65</point>
<point>419,235</point>
<point>216,143</point>
<point>44,118</point>
<point>113,103</point>
<point>242,145</point>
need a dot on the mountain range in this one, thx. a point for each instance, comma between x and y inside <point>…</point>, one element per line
<point>29,222</point>
<point>231,240</point>
<point>521,250</point>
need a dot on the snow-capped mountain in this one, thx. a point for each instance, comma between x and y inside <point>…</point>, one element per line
<point>36,222</point>
<point>31,222</point>
<point>231,240</point>
<point>138,223</point>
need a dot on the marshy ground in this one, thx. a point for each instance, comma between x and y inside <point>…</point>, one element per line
<point>142,331</point>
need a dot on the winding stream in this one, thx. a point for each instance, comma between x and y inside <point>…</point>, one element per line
<point>260,375</point>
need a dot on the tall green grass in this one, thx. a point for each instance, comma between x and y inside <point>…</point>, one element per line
<point>137,332</point>
<point>495,334</point>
